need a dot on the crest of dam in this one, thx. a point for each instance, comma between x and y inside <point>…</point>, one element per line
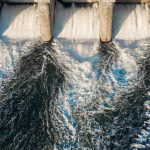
<point>75,92</point>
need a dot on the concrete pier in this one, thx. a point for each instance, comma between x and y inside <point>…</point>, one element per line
<point>106,18</point>
<point>45,16</point>
<point>44,21</point>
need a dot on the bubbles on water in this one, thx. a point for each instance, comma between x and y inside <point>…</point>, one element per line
<point>99,106</point>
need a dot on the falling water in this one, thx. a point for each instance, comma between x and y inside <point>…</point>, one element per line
<point>131,22</point>
<point>21,23</point>
<point>79,94</point>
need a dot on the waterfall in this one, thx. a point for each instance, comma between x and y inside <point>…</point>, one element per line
<point>19,22</point>
<point>74,18</point>
<point>75,92</point>
<point>131,22</point>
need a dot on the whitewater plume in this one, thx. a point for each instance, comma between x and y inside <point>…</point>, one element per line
<point>130,108</point>
<point>109,55</point>
<point>118,127</point>
<point>26,100</point>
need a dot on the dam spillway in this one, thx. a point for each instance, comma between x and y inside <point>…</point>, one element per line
<point>43,12</point>
<point>104,96</point>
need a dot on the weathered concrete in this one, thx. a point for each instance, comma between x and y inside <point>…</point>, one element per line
<point>45,17</point>
<point>44,21</point>
<point>27,1</point>
<point>115,1</point>
<point>131,1</point>
<point>106,18</point>
<point>79,1</point>
<point>106,14</point>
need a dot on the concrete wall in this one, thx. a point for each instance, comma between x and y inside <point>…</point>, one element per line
<point>27,1</point>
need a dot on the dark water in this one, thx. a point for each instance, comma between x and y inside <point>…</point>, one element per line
<point>34,114</point>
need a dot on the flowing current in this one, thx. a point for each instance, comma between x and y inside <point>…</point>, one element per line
<point>75,93</point>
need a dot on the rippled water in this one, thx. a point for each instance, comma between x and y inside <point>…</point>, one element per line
<point>91,98</point>
<point>75,93</point>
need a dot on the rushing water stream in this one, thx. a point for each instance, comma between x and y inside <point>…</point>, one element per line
<point>75,93</point>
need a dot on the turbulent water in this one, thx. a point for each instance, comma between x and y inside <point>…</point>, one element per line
<point>76,93</point>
